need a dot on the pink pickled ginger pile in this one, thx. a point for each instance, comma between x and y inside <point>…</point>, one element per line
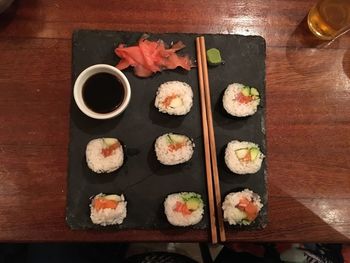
<point>149,57</point>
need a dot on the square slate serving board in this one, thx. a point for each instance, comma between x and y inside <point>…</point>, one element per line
<point>142,179</point>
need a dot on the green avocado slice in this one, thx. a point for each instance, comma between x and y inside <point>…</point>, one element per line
<point>241,153</point>
<point>254,152</point>
<point>254,92</point>
<point>246,91</point>
<point>193,204</point>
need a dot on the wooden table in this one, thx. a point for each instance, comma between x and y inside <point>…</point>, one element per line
<point>308,113</point>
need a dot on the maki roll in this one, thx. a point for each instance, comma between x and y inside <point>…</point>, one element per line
<point>174,98</point>
<point>107,209</point>
<point>241,208</point>
<point>184,209</point>
<point>243,157</point>
<point>172,149</point>
<point>240,100</point>
<point>104,155</point>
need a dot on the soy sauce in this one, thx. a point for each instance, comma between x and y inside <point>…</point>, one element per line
<point>103,93</point>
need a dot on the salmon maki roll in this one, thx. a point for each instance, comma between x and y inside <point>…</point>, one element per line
<point>241,208</point>
<point>108,209</point>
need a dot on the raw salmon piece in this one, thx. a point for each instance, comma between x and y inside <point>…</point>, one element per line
<point>102,203</point>
<point>251,211</point>
<point>249,208</point>
<point>182,207</point>
<point>109,150</point>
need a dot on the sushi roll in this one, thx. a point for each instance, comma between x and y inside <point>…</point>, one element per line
<point>174,98</point>
<point>104,155</point>
<point>241,208</point>
<point>172,149</point>
<point>240,100</point>
<point>243,157</point>
<point>184,209</point>
<point>107,209</point>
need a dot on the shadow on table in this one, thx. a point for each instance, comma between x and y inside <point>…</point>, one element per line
<point>346,63</point>
<point>306,53</point>
<point>8,15</point>
<point>303,38</point>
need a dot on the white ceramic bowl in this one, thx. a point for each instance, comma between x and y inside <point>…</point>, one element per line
<point>87,73</point>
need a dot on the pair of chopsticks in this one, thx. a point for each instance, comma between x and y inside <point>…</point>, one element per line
<point>209,144</point>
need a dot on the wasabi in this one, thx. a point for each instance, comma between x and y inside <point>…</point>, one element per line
<point>214,57</point>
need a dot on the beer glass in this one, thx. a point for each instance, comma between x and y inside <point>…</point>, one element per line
<point>329,18</point>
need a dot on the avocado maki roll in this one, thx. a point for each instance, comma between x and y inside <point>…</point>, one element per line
<point>172,149</point>
<point>174,98</point>
<point>104,155</point>
<point>240,100</point>
<point>184,209</point>
<point>243,157</point>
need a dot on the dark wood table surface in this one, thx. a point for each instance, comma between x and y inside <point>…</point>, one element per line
<point>307,118</point>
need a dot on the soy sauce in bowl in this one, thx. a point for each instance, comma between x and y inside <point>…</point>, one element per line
<point>103,92</point>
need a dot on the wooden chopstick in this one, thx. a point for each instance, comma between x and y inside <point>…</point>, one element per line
<point>212,139</point>
<point>211,199</point>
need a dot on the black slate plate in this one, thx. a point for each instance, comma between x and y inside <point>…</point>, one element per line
<point>144,182</point>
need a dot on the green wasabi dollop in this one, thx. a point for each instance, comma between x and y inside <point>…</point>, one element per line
<point>214,57</point>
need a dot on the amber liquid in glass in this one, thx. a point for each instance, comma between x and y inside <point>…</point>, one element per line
<point>329,18</point>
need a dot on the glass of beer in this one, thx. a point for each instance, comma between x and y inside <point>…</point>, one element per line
<point>329,18</point>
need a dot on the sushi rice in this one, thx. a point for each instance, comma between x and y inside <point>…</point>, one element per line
<point>108,216</point>
<point>172,149</point>
<point>101,158</point>
<point>239,166</point>
<point>233,106</point>
<point>234,211</point>
<point>174,98</point>
<point>176,216</point>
